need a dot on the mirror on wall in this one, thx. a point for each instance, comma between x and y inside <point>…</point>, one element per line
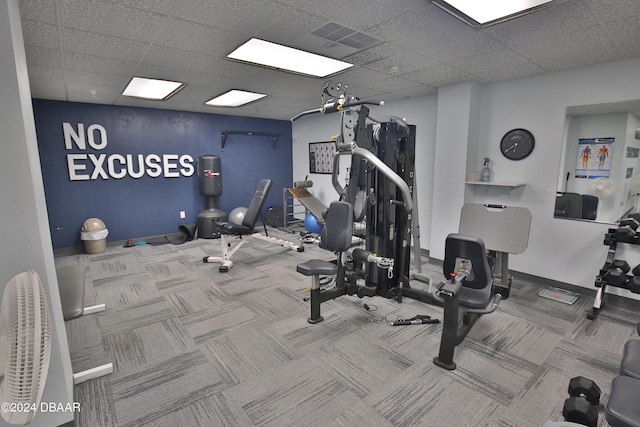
<point>599,178</point>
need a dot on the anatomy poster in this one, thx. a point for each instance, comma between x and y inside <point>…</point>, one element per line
<point>594,157</point>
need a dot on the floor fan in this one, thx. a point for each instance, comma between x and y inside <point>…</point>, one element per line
<point>603,187</point>
<point>25,346</point>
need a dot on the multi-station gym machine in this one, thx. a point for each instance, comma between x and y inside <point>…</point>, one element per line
<point>380,189</point>
<point>380,195</point>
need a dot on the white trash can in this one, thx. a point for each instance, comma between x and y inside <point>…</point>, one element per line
<point>94,234</point>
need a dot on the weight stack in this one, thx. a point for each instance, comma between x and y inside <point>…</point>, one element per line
<point>210,182</point>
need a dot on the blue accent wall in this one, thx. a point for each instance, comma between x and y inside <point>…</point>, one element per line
<point>147,206</point>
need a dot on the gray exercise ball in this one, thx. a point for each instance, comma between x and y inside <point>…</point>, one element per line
<point>237,215</point>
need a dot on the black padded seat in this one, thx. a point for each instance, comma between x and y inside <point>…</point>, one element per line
<point>622,409</point>
<point>630,365</point>
<point>475,298</point>
<point>475,292</point>
<point>336,236</point>
<point>318,267</point>
<point>235,229</point>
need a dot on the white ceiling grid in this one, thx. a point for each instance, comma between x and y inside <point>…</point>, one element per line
<point>87,51</point>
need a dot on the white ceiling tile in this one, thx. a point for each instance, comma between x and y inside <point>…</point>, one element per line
<point>82,42</point>
<point>401,61</point>
<point>39,10</point>
<point>609,10</point>
<point>509,73</point>
<point>291,26</point>
<point>245,17</point>
<point>46,90</point>
<point>194,37</point>
<point>375,53</point>
<point>82,62</point>
<point>624,30</point>
<point>628,49</point>
<point>411,92</point>
<point>78,80</point>
<point>361,75</point>
<point>43,74</point>
<point>106,42</point>
<point>491,61</point>
<point>111,19</point>
<point>582,47</point>
<point>40,34</point>
<point>438,73</point>
<point>565,17</point>
<point>360,14</point>
<point>46,81</point>
<point>176,58</point>
<point>43,56</point>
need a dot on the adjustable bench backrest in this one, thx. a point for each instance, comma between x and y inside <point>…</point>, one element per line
<point>255,207</point>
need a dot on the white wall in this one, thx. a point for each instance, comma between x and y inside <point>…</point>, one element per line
<point>25,242</point>
<point>456,133</point>
<point>563,250</point>
<point>471,121</point>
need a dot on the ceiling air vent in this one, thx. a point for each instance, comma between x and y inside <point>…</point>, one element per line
<point>336,40</point>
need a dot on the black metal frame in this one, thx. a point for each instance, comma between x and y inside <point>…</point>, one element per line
<point>382,173</point>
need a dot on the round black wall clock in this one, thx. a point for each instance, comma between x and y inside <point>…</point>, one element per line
<point>517,144</point>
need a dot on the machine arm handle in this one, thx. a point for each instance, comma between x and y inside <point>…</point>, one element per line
<point>306,113</point>
<point>334,107</point>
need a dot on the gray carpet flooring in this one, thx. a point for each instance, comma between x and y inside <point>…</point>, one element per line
<point>195,347</point>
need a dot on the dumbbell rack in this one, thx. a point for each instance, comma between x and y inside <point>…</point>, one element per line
<point>625,233</point>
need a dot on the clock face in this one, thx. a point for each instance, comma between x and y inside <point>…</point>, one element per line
<point>517,144</point>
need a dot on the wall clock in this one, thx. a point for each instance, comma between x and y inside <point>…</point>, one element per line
<point>517,144</point>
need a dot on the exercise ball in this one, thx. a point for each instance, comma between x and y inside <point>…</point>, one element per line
<point>311,224</point>
<point>237,215</point>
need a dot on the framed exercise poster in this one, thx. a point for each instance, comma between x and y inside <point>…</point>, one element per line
<point>594,157</point>
<point>321,157</point>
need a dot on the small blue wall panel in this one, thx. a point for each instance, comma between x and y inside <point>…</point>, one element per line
<point>135,168</point>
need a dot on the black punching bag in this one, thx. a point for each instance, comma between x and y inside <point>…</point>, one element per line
<point>210,181</point>
<point>209,174</point>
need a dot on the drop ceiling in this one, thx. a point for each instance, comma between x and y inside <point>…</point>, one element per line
<point>87,51</point>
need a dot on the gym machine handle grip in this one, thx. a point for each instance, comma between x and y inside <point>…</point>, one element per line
<point>449,289</point>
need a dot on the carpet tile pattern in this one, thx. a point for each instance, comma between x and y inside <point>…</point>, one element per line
<point>192,346</point>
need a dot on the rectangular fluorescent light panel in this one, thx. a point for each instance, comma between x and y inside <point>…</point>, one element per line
<point>142,87</point>
<point>267,54</point>
<point>486,12</point>
<point>234,98</point>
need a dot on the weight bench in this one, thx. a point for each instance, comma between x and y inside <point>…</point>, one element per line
<point>72,291</point>
<point>466,295</point>
<point>246,229</point>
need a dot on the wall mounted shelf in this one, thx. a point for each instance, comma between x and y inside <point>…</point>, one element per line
<point>225,134</point>
<point>507,185</point>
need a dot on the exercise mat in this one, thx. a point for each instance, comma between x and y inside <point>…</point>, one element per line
<point>185,233</point>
